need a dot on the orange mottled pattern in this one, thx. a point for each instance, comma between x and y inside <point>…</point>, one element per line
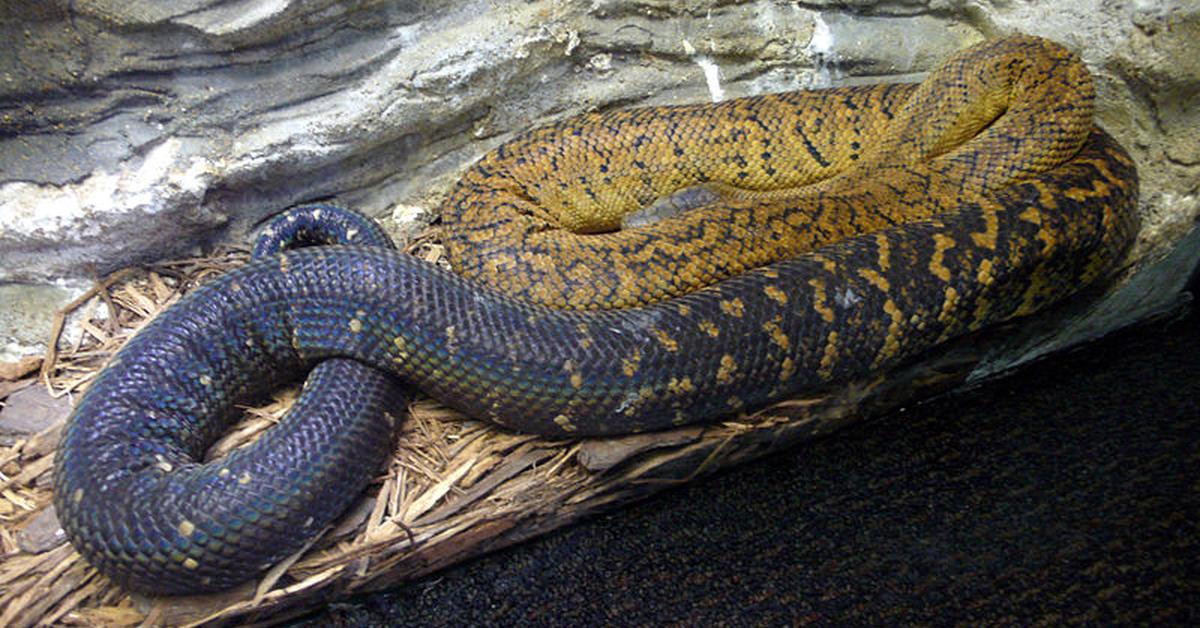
<point>540,216</point>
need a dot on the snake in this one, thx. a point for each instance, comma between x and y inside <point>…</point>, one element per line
<point>614,272</point>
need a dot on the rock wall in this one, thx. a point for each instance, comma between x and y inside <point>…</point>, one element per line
<point>133,130</point>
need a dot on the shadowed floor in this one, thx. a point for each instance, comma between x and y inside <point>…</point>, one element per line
<point>1069,492</point>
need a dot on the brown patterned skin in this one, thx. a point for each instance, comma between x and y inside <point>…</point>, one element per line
<point>955,235</point>
<point>539,216</point>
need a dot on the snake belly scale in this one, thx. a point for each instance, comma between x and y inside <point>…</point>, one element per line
<point>907,216</point>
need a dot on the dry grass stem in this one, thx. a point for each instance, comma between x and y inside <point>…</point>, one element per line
<point>454,488</point>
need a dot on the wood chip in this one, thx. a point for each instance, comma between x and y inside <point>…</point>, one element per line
<point>601,454</point>
<point>436,492</point>
<point>18,369</point>
<point>42,534</point>
<point>30,411</point>
<point>514,465</point>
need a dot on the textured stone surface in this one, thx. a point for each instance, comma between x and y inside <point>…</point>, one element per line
<point>42,534</point>
<point>29,411</point>
<point>134,130</point>
<point>27,312</point>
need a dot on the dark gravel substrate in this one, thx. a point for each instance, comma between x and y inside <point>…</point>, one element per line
<point>1068,493</point>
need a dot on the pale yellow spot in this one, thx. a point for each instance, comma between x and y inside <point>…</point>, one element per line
<point>401,348</point>
<point>987,239</point>
<point>77,495</point>
<point>235,287</point>
<point>777,295</point>
<point>885,251</point>
<point>190,563</point>
<point>787,368</point>
<point>830,265</point>
<point>205,380</point>
<point>186,528</point>
<point>223,473</point>
<point>941,243</point>
<point>727,369</point>
<point>819,303</point>
<point>355,325</point>
<point>585,341</point>
<point>773,328</point>
<point>984,275</point>
<point>1046,199</point>
<point>285,264</point>
<point>891,344</point>
<point>576,380</point>
<point>1032,215</point>
<point>629,365</point>
<point>564,422</point>
<point>733,307</point>
<point>873,276</point>
<point>666,341</point>
<point>829,357</point>
<point>680,386</point>
<point>684,310</point>
<point>1048,238</point>
<point>645,393</point>
<point>1099,188</point>
<point>709,328</point>
<point>244,478</point>
<point>949,301</point>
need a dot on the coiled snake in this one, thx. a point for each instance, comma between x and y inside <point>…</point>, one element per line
<point>838,233</point>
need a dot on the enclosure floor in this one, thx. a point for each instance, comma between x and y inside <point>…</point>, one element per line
<point>1068,492</point>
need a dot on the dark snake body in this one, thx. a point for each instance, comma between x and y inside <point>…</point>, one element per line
<point>135,502</point>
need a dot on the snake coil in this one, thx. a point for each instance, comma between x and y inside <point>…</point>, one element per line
<point>823,236</point>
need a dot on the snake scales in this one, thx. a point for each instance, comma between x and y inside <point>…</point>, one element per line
<point>848,229</point>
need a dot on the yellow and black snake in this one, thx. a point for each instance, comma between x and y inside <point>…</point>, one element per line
<point>823,236</point>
